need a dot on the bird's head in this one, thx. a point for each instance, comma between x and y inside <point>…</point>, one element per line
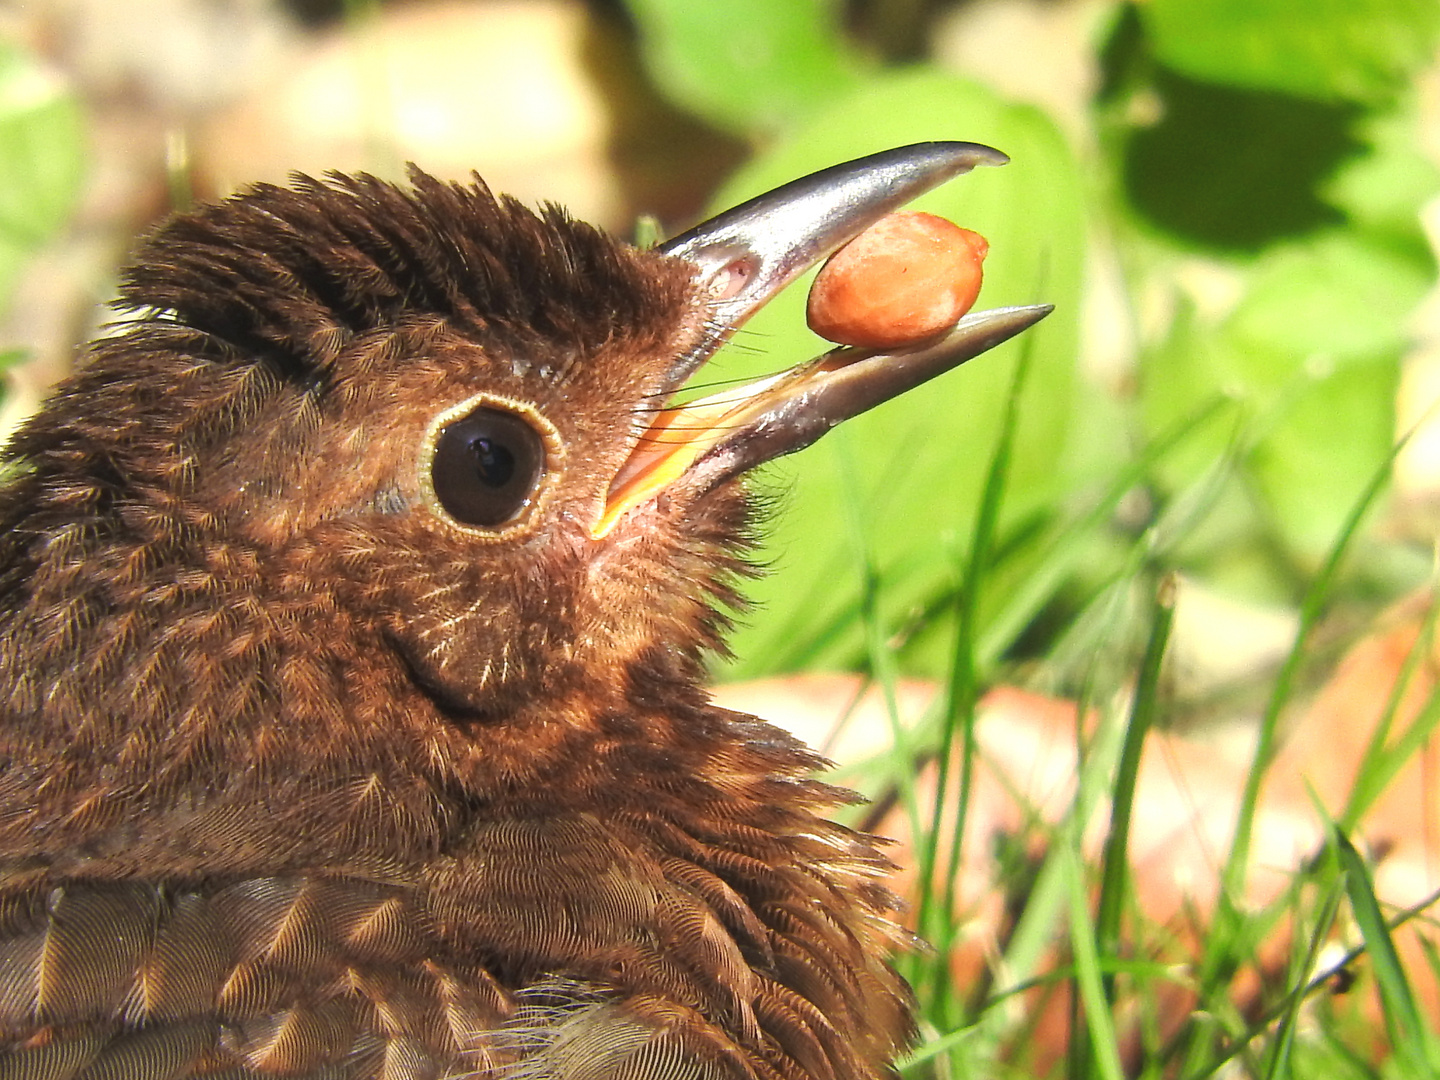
<point>440,417</point>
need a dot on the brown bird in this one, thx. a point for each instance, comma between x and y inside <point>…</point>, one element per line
<point>353,617</point>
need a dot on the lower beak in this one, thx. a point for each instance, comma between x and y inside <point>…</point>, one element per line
<point>745,256</point>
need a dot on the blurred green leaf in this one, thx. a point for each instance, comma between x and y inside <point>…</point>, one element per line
<point>746,66</point>
<point>1384,189</point>
<point>1313,350</point>
<point>1334,312</point>
<point>42,160</point>
<point>1329,441</point>
<point>1338,296</point>
<point>898,487</point>
<point>1328,50</point>
<point>1235,169</point>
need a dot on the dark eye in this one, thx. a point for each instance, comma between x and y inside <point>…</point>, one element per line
<point>487,466</point>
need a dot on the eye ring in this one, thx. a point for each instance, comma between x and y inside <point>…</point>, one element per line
<point>488,464</point>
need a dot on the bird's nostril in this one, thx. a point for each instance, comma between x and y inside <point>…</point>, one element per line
<point>731,278</point>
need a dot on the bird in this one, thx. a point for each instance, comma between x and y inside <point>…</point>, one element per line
<point>357,592</point>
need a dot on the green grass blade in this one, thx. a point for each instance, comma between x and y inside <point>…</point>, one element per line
<point>1381,763</point>
<point>1222,953</point>
<point>962,693</point>
<point>1066,549</point>
<point>1115,863</point>
<point>1414,1043</point>
<point>879,654</point>
<point>1104,1057</point>
<point>1288,1012</point>
<point>1311,608</point>
<point>1039,920</point>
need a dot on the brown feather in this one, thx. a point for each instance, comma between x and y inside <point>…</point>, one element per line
<point>300,779</point>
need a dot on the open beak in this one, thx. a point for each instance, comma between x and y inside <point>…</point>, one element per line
<point>745,256</point>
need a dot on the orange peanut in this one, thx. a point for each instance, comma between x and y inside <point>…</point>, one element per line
<point>908,277</point>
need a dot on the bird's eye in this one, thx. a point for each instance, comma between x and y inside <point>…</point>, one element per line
<point>487,466</point>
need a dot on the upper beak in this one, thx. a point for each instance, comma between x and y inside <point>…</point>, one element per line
<point>746,255</point>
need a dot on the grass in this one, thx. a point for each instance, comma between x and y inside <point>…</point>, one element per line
<point>1246,987</point>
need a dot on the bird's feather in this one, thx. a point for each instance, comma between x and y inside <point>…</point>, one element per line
<point>300,779</point>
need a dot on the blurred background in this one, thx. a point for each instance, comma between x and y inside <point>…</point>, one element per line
<point>1231,203</point>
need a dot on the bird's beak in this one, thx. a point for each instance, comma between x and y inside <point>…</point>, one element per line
<point>745,256</point>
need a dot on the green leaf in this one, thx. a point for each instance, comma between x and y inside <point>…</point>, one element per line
<point>1313,351</point>
<point>1233,169</point>
<point>1319,456</point>
<point>42,160</point>
<point>1332,316</point>
<point>1339,296</point>
<point>747,66</point>
<point>1350,50</point>
<point>1384,189</point>
<point>897,488</point>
